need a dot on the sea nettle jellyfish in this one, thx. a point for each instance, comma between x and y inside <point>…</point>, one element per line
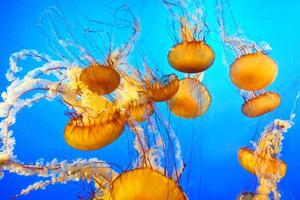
<point>100,78</point>
<point>191,100</point>
<point>264,160</point>
<point>192,54</point>
<point>163,89</point>
<point>91,131</point>
<point>145,183</point>
<point>252,71</point>
<point>151,177</point>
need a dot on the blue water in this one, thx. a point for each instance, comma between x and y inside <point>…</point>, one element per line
<point>214,171</point>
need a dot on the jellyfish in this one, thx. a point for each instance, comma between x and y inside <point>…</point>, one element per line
<point>264,161</point>
<point>143,184</point>
<point>151,168</point>
<point>88,132</point>
<point>191,100</point>
<point>163,90</point>
<point>252,71</point>
<point>192,54</point>
<point>261,104</point>
<point>100,78</point>
<point>261,164</point>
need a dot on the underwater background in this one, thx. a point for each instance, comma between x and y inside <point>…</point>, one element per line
<point>209,143</point>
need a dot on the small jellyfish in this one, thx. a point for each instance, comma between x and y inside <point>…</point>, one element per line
<point>145,183</point>
<point>163,90</point>
<point>100,79</point>
<point>190,55</point>
<point>261,104</point>
<point>191,100</point>
<point>93,130</point>
<point>261,164</point>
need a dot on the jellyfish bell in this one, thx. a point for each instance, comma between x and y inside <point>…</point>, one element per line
<point>94,130</point>
<point>253,71</point>
<point>191,55</point>
<point>261,104</point>
<point>191,100</point>
<point>261,165</point>
<point>100,78</point>
<point>163,90</point>
<point>146,184</point>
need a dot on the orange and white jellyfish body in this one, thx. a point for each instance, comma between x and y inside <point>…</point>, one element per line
<point>191,100</point>
<point>191,55</point>
<point>163,90</point>
<point>261,164</point>
<point>145,183</point>
<point>253,71</point>
<point>264,160</point>
<point>261,104</point>
<point>98,124</point>
<point>100,78</point>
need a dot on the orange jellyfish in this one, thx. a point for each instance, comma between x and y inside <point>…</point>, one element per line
<point>191,100</point>
<point>253,71</point>
<point>262,165</point>
<point>261,104</point>
<point>191,55</point>
<point>93,130</point>
<point>100,79</point>
<point>146,184</point>
<point>163,90</point>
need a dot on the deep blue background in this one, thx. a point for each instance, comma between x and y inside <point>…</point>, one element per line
<point>39,130</point>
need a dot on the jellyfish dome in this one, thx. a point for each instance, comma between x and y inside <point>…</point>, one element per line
<point>260,164</point>
<point>191,100</point>
<point>94,129</point>
<point>100,79</point>
<point>253,71</point>
<point>146,184</point>
<point>191,56</point>
<point>261,104</point>
<point>163,90</point>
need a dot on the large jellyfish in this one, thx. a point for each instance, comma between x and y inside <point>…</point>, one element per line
<point>142,184</point>
<point>252,71</point>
